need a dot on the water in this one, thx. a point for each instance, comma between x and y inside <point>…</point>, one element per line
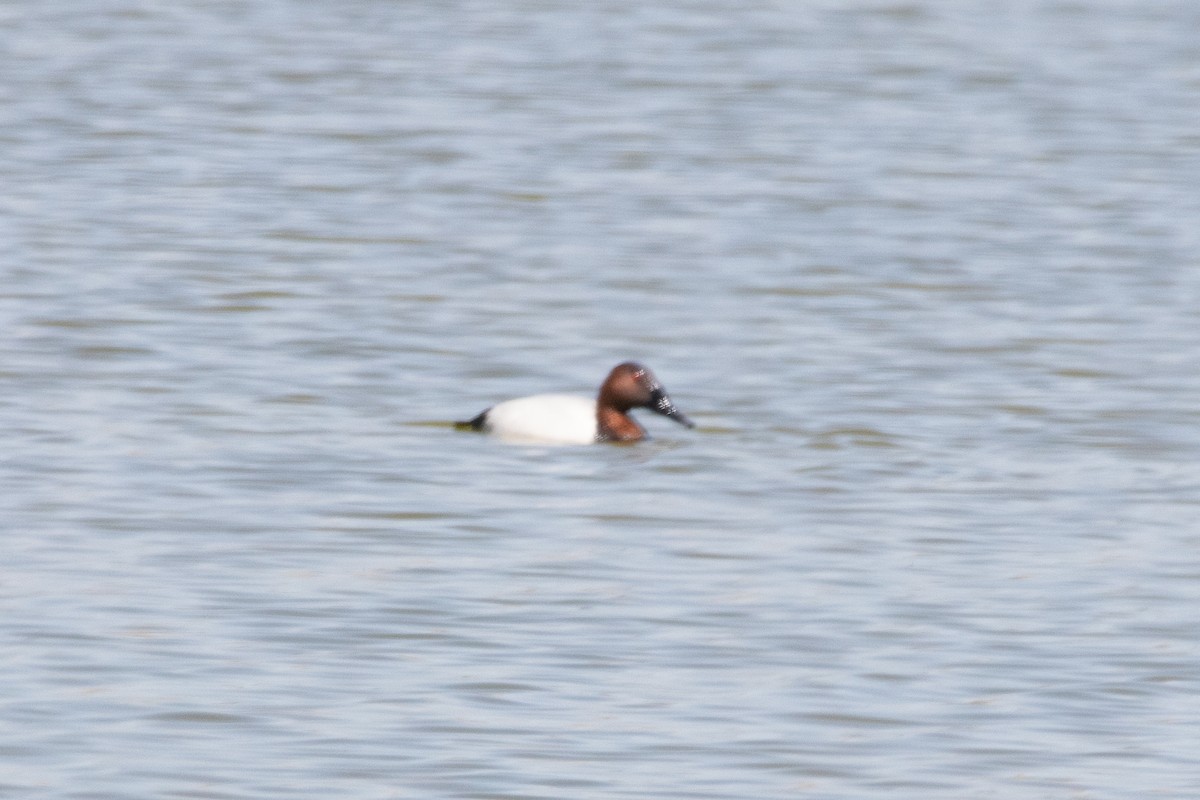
<point>925,273</point>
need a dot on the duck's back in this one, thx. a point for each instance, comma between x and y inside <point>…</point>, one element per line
<point>546,418</point>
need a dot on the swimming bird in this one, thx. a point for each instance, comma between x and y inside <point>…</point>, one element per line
<point>568,419</point>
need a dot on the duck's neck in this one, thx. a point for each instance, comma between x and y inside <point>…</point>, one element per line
<point>617,426</point>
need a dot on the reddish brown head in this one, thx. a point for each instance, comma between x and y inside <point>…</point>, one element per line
<point>629,386</point>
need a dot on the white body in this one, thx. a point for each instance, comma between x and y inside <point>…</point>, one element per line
<point>544,419</point>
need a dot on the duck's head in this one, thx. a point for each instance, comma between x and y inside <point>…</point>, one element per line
<point>631,385</point>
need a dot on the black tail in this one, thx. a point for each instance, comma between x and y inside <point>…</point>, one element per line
<point>474,424</point>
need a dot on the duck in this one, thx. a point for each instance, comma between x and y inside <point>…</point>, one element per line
<point>570,419</point>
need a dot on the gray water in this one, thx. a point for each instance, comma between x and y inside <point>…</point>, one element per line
<point>927,275</point>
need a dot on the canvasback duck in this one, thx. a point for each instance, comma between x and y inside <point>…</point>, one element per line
<point>567,419</point>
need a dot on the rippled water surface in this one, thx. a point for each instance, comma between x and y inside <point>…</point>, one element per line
<point>927,275</point>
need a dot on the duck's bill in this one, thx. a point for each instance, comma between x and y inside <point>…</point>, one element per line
<point>661,404</point>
